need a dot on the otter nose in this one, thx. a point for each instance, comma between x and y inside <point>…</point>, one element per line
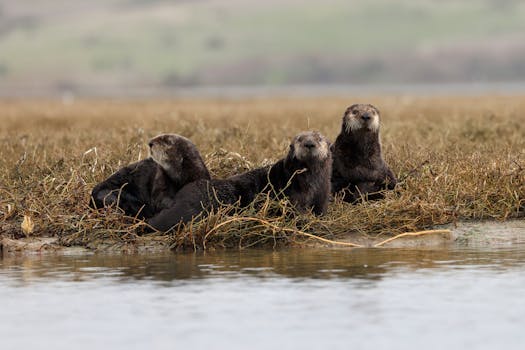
<point>309,144</point>
<point>365,116</point>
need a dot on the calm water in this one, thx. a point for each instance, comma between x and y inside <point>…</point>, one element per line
<point>290,299</point>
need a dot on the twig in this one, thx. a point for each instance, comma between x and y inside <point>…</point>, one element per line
<point>412,234</point>
<point>275,227</point>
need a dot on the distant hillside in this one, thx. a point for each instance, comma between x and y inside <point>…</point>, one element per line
<point>116,44</point>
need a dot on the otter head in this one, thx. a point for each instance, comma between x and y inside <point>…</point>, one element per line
<point>168,151</point>
<point>178,157</point>
<point>361,117</point>
<point>310,146</point>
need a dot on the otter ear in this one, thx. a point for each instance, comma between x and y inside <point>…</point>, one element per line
<point>349,109</point>
<point>291,153</point>
<point>344,120</point>
<point>374,108</point>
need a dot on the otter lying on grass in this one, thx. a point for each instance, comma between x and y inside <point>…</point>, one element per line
<point>303,176</point>
<point>144,188</point>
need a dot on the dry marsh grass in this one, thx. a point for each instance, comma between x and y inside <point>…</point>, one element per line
<point>458,158</point>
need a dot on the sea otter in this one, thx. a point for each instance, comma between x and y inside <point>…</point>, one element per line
<point>144,188</point>
<point>303,176</point>
<point>359,170</point>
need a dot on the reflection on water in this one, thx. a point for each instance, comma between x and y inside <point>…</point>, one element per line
<point>301,298</point>
<point>292,264</point>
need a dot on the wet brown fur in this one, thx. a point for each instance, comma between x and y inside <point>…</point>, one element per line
<point>303,176</point>
<point>144,188</point>
<point>359,170</point>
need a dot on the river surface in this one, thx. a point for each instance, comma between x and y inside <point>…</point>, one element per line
<point>457,298</point>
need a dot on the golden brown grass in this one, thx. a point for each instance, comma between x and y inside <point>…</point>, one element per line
<point>458,158</point>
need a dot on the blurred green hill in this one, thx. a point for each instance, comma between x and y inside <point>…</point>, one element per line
<point>68,44</point>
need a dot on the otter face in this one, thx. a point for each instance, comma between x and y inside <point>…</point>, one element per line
<point>310,145</point>
<point>361,117</point>
<point>167,150</point>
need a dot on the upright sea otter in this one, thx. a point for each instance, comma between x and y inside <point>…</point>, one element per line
<point>303,176</point>
<point>358,166</point>
<point>144,188</point>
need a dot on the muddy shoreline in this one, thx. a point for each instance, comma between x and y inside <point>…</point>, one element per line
<point>464,234</point>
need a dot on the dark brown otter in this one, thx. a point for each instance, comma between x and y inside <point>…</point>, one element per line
<point>359,170</point>
<point>303,176</point>
<point>144,188</point>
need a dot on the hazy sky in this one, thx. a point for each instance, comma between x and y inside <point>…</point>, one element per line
<point>79,45</point>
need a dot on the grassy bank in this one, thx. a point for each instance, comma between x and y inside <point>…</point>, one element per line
<point>458,158</point>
